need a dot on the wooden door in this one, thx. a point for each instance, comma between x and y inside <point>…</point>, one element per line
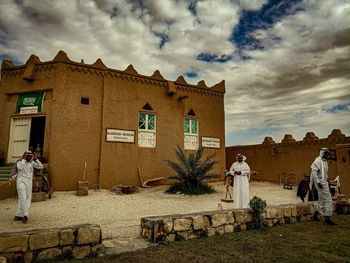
<point>19,138</point>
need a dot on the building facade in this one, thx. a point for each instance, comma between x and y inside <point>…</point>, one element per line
<point>107,126</point>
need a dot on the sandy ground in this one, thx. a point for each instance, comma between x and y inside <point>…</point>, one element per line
<point>119,215</point>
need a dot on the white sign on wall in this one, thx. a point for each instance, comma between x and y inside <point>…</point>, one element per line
<point>210,142</point>
<point>115,135</point>
<point>29,110</point>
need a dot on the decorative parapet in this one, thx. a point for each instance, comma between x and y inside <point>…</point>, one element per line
<point>130,74</point>
<point>43,245</point>
<point>310,137</point>
<point>336,135</point>
<point>268,140</point>
<point>288,138</point>
<point>177,227</point>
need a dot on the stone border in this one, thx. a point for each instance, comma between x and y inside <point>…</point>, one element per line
<point>49,244</point>
<point>178,227</point>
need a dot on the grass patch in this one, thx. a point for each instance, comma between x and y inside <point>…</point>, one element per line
<point>300,242</point>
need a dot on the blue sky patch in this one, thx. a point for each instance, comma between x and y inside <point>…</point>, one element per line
<point>191,74</point>
<point>264,18</point>
<point>6,57</point>
<point>207,57</point>
<point>339,108</point>
<point>243,137</point>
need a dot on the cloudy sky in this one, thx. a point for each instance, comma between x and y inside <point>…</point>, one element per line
<point>286,63</point>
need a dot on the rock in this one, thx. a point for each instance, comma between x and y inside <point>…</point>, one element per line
<point>269,222</point>
<point>13,243</point>
<point>222,219</point>
<point>81,252</point>
<point>44,240</point>
<point>96,250</point>
<point>211,231</point>
<point>280,213</point>
<point>88,235</point>
<point>182,235</point>
<point>198,222</point>
<point>170,238</point>
<point>38,197</point>
<point>28,257</point>
<point>82,188</point>
<point>220,230</point>
<point>243,227</point>
<point>49,254</point>
<point>206,220</point>
<point>229,229</point>
<point>67,252</point>
<point>243,215</point>
<point>168,225</point>
<point>66,237</point>
<point>271,212</point>
<point>294,211</point>
<point>305,209</point>
<point>182,224</point>
<point>287,211</point>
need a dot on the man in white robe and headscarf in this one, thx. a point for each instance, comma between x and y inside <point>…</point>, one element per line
<point>24,172</point>
<point>240,170</point>
<point>319,177</point>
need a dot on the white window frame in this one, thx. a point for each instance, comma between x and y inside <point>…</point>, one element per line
<point>191,140</point>
<point>146,136</point>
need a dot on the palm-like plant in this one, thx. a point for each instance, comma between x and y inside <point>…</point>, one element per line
<point>191,172</point>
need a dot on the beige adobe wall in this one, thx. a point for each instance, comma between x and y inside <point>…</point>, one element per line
<point>12,85</point>
<point>270,159</point>
<point>343,156</point>
<point>76,129</point>
<point>124,99</point>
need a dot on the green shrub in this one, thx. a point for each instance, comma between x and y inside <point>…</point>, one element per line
<point>191,173</point>
<point>258,206</point>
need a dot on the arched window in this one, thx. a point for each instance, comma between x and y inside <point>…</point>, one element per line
<point>147,128</point>
<point>191,131</point>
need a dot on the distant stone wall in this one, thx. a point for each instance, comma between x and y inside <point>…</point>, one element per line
<point>40,245</point>
<point>273,161</point>
<point>171,228</point>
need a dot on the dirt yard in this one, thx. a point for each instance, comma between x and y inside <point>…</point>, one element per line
<point>119,215</point>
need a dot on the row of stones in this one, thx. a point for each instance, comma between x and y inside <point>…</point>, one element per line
<point>197,225</point>
<point>56,253</point>
<point>75,241</point>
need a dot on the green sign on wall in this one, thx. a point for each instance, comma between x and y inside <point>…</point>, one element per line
<point>30,100</point>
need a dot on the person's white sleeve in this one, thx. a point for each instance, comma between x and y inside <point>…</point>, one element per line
<point>37,164</point>
<point>232,169</point>
<point>314,174</point>
<point>21,164</point>
<point>246,169</point>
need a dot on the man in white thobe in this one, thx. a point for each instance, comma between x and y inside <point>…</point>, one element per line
<point>240,170</point>
<point>319,177</point>
<point>25,168</point>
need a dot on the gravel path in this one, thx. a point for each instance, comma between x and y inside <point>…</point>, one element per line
<point>119,215</point>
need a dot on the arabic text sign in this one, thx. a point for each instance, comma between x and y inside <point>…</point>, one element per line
<point>115,135</point>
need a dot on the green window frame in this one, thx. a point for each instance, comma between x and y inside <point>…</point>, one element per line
<point>147,121</point>
<point>191,126</point>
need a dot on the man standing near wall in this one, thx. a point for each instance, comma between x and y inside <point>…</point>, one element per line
<point>240,170</point>
<point>319,177</point>
<point>24,173</point>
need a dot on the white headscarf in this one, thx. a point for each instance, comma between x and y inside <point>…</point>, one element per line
<point>319,164</point>
<point>244,158</point>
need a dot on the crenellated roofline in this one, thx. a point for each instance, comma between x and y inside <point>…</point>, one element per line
<point>28,70</point>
